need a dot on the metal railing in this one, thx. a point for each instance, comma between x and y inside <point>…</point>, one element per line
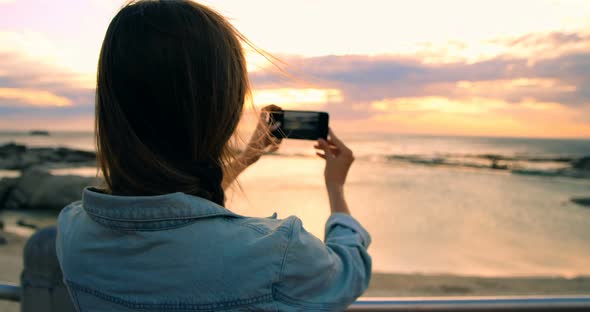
<point>440,304</point>
<point>531,303</point>
<point>9,291</point>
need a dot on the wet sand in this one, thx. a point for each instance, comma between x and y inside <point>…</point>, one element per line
<point>382,284</point>
<point>417,285</point>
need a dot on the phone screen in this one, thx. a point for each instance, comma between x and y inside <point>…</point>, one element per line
<point>302,125</point>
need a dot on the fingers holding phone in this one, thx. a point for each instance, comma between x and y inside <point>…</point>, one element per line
<point>338,158</point>
<point>262,141</point>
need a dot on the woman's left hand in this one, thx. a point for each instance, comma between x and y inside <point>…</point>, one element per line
<point>262,141</point>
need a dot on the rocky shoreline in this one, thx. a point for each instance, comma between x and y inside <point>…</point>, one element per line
<point>20,157</point>
<point>571,167</point>
<point>38,189</point>
<point>35,187</point>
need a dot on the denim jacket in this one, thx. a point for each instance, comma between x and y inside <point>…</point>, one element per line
<point>178,252</point>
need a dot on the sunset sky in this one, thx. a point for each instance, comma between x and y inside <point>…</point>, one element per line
<point>493,68</point>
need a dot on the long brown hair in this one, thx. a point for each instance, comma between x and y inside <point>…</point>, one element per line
<point>171,86</point>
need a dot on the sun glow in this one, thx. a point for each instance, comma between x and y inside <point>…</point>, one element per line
<point>296,98</point>
<point>477,116</point>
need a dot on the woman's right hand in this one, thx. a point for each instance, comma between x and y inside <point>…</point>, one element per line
<point>338,158</point>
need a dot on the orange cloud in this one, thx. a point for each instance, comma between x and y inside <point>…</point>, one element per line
<point>477,116</point>
<point>54,123</point>
<point>32,97</point>
<point>439,104</point>
<point>511,85</point>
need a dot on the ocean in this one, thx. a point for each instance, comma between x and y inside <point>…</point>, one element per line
<point>433,204</point>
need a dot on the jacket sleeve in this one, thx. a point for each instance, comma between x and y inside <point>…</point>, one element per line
<point>325,276</point>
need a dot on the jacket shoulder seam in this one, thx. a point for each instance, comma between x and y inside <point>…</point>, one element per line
<point>260,229</point>
<point>289,233</point>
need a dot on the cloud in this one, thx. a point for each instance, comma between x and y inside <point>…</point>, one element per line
<point>478,116</point>
<point>32,97</point>
<point>438,104</point>
<point>552,39</point>
<point>410,91</point>
<point>507,94</point>
<point>26,81</point>
<point>35,94</point>
<point>564,78</point>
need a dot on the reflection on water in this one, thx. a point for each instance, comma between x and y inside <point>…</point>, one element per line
<point>9,173</point>
<point>76,140</point>
<point>80,171</point>
<point>437,220</point>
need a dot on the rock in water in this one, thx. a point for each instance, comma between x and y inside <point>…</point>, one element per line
<point>582,163</point>
<point>37,189</point>
<point>15,156</point>
<point>581,201</point>
<point>11,149</point>
<point>26,224</point>
<point>6,186</point>
<point>10,155</point>
<point>39,132</point>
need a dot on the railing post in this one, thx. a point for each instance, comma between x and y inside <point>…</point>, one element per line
<point>41,280</point>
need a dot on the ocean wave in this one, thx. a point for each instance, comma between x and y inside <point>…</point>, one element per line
<point>489,157</point>
<point>567,172</point>
<point>523,165</point>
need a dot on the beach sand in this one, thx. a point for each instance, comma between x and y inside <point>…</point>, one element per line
<point>382,284</point>
<point>11,265</point>
<point>418,285</point>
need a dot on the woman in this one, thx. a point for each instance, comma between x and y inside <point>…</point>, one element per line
<point>171,86</point>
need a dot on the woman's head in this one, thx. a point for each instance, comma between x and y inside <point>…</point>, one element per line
<point>171,86</point>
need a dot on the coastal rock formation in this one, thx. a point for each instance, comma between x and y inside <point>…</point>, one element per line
<point>6,185</point>
<point>18,157</point>
<point>567,166</point>
<point>36,189</point>
<point>581,201</point>
<point>582,163</point>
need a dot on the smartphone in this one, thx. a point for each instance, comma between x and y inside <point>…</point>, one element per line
<point>302,125</point>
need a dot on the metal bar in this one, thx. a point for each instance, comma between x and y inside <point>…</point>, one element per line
<point>438,304</point>
<point>532,303</point>
<point>9,292</point>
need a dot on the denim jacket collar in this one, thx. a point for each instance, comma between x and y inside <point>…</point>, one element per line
<point>173,206</point>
